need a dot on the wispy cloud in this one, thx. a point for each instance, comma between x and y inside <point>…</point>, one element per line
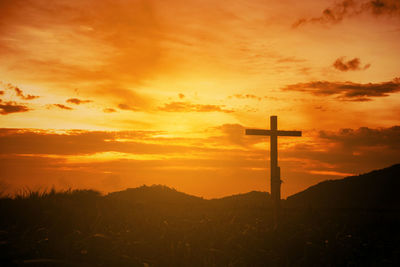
<point>127,107</point>
<point>109,110</point>
<point>189,107</point>
<point>18,91</point>
<point>61,106</point>
<point>347,90</point>
<point>246,96</point>
<point>353,64</point>
<point>22,96</point>
<point>348,8</point>
<point>77,101</point>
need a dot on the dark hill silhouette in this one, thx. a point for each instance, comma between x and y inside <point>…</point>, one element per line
<point>159,226</point>
<point>253,199</point>
<point>250,196</point>
<point>154,194</point>
<point>375,190</point>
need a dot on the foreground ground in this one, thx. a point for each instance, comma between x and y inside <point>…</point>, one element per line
<point>158,226</point>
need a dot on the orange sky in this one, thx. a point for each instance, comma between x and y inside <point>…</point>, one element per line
<point>116,94</point>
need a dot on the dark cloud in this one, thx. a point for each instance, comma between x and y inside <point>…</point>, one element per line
<point>127,107</point>
<point>25,97</point>
<point>61,106</point>
<point>181,96</point>
<point>231,134</point>
<point>234,134</point>
<point>347,90</point>
<point>77,101</point>
<point>353,64</point>
<point>19,92</point>
<point>382,7</point>
<point>331,15</point>
<point>11,107</point>
<point>365,137</point>
<point>1,92</point>
<point>189,107</point>
<point>347,8</point>
<point>347,150</point>
<point>109,110</point>
<point>19,141</point>
<point>215,159</point>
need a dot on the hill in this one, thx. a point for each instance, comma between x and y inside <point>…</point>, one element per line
<point>159,226</point>
<point>153,195</point>
<point>375,190</point>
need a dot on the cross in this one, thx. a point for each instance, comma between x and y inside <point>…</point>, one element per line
<point>275,170</point>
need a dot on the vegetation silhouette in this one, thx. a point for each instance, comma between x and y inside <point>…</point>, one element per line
<point>374,190</point>
<point>349,222</point>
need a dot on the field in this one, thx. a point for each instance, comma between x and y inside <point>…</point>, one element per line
<point>158,226</point>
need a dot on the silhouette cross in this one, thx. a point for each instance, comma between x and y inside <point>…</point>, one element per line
<point>275,170</point>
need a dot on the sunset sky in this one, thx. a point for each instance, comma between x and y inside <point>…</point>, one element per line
<point>115,94</point>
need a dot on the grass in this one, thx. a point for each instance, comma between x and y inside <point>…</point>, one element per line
<point>158,226</point>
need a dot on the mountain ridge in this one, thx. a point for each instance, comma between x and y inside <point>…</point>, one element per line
<point>375,189</point>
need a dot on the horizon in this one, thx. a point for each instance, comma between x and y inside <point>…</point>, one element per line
<point>27,191</point>
<point>110,95</point>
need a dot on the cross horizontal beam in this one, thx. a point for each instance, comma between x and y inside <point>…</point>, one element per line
<point>272,132</point>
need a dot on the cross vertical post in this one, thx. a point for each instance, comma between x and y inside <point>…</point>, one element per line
<point>275,169</point>
<point>275,180</point>
<point>274,153</point>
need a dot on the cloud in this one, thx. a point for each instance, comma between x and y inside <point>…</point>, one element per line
<point>382,7</point>
<point>127,107</point>
<point>125,96</point>
<point>234,134</point>
<point>19,92</point>
<point>11,107</point>
<point>109,110</point>
<point>137,157</point>
<point>20,141</point>
<point>246,96</point>
<point>290,60</point>
<point>61,106</point>
<point>331,15</point>
<point>98,44</point>
<point>204,174</point>
<point>146,157</point>
<point>365,137</point>
<point>353,64</point>
<point>77,101</point>
<point>348,8</point>
<point>347,90</point>
<point>181,96</point>
<point>346,150</point>
<point>189,107</point>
